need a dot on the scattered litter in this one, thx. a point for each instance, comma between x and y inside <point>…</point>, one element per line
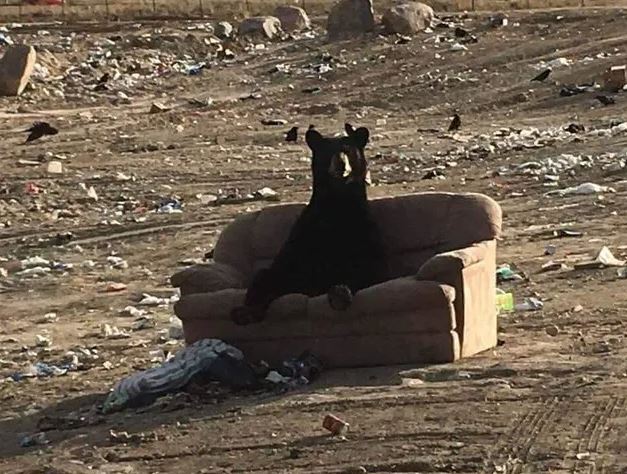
<point>458,47</point>
<point>108,331</point>
<point>144,322</point>
<point>206,199</point>
<point>43,369</point>
<point>575,128</point>
<point>150,300</point>
<point>552,266</point>
<point>195,69</point>
<point>273,122</point>
<point>615,78</point>
<point>566,233</point>
<point>555,63</point>
<point>169,206</point>
<point>42,341</point>
<point>38,439</point>
<point>604,258</point>
<point>133,312</point>
<point>48,318</point>
<point>117,262</point>
<point>530,304</point>
<point>266,193</point>
<point>584,188</point>
<point>123,437</point>
<point>275,377</point>
<point>303,369</point>
<point>505,273</point>
<point>335,425</point>
<point>91,193</point>
<point>499,20</point>
<point>175,330</point>
<point>583,455</point>
<point>312,90</point>
<point>504,301</point>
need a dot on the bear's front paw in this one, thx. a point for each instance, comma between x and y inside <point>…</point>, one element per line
<point>340,297</point>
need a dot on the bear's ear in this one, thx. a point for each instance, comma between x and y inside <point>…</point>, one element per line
<point>349,129</point>
<point>361,137</point>
<point>314,139</point>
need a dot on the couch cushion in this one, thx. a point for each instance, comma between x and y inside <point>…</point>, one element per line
<point>398,306</point>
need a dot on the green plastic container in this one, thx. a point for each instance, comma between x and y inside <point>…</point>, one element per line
<point>504,302</point>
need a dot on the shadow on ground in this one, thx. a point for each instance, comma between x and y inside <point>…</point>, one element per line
<point>78,421</point>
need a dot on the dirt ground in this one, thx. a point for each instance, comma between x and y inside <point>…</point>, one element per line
<point>550,398</point>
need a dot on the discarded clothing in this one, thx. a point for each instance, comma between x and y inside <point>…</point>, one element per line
<point>209,358</point>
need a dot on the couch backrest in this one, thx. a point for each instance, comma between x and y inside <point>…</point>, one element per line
<point>414,227</point>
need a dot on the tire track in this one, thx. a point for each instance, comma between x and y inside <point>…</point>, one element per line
<point>525,432</point>
<point>593,434</point>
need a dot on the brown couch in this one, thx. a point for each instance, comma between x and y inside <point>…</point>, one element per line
<point>437,306</point>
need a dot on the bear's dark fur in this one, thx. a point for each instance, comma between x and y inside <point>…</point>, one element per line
<point>334,247</point>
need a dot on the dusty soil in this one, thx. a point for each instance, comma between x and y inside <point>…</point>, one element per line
<point>536,403</point>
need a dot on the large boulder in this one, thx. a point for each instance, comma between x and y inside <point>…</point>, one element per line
<point>268,27</point>
<point>349,18</point>
<point>16,66</point>
<point>292,18</point>
<point>408,18</point>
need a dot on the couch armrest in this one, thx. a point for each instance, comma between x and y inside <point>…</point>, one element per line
<point>442,266</point>
<point>207,278</point>
<point>472,272</point>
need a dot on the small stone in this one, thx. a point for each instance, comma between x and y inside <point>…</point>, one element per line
<point>157,108</point>
<point>553,331</point>
<point>577,309</point>
<point>55,167</point>
<point>114,287</point>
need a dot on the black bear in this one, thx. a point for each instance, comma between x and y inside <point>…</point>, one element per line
<point>334,246</point>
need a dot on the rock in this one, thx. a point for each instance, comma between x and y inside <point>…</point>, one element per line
<point>266,26</point>
<point>408,18</point>
<point>553,331</point>
<point>350,18</point>
<point>224,30</point>
<point>292,18</point>
<point>55,167</point>
<point>16,66</point>
<point>114,287</point>
<point>157,108</point>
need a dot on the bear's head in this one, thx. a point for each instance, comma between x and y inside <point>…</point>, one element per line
<point>338,161</point>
